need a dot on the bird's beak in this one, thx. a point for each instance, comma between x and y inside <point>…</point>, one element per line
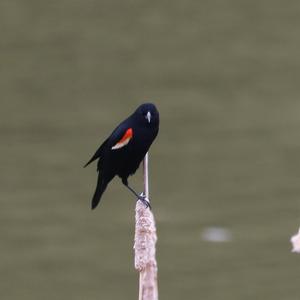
<point>148,116</point>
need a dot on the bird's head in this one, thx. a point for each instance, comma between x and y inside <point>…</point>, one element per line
<point>148,114</point>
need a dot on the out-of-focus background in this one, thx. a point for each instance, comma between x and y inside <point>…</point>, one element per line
<point>225,77</point>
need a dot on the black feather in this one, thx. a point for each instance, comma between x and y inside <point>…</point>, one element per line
<point>125,160</point>
<point>97,154</point>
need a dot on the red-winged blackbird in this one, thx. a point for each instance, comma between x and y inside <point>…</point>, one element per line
<point>122,152</point>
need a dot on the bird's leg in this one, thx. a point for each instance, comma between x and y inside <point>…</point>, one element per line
<point>140,197</point>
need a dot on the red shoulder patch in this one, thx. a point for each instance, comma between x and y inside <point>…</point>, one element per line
<point>124,140</point>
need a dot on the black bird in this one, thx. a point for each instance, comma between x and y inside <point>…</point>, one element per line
<point>122,152</point>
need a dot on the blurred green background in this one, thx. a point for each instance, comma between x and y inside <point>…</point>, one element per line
<point>225,77</point>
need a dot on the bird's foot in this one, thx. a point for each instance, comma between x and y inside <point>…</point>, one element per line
<point>144,200</point>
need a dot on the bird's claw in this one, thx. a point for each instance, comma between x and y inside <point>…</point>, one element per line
<point>144,200</point>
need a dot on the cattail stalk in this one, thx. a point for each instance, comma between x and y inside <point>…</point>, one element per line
<point>144,245</point>
<point>295,240</point>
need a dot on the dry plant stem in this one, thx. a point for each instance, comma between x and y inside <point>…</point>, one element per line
<point>295,240</point>
<point>144,245</point>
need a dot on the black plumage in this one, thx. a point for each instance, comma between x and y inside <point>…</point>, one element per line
<point>122,152</point>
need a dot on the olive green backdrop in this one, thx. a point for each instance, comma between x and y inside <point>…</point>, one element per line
<point>225,77</point>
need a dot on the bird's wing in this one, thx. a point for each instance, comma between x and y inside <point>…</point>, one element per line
<point>98,153</point>
<point>119,138</point>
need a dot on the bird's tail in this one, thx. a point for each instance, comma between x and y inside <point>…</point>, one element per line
<point>101,186</point>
